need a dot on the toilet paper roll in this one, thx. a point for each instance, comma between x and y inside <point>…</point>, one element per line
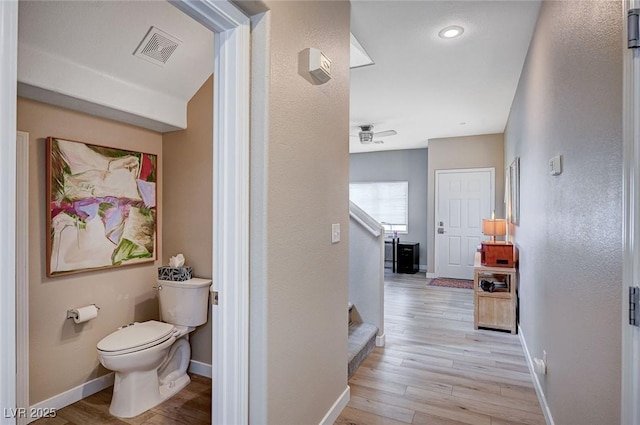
<point>84,314</point>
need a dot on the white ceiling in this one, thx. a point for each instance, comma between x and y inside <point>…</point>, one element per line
<point>84,50</point>
<point>422,86</point>
<point>426,87</point>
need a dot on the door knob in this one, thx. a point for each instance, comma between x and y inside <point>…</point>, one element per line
<point>440,230</point>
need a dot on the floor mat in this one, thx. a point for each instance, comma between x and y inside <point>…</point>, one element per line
<point>451,283</point>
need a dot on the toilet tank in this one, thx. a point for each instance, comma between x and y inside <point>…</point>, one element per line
<point>184,303</point>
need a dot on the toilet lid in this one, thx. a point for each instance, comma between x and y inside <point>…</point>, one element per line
<point>136,336</point>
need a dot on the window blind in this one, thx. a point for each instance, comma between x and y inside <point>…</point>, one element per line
<point>387,202</point>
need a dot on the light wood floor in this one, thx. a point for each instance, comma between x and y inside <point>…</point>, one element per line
<point>436,369</point>
<point>191,406</point>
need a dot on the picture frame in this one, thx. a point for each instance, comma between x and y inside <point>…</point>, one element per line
<point>101,207</point>
<point>514,192</point>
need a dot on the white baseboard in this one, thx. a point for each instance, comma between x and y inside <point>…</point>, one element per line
<point>536,381</point>
<point>199,368</point>
<point>380,340</point>
<point>431,276</point>
<point>73,395</point>
<point>89,388</point>
<point>337,408</point>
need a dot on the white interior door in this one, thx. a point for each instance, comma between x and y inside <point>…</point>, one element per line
<point>463,199</point>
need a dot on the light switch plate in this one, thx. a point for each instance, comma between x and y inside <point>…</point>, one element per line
<point>555,165</point>
<point>335,233</point>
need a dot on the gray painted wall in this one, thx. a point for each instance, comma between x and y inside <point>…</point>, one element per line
<point>569,102</point>
<point>402,165</point>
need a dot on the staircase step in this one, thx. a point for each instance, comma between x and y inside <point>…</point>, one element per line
<point>362,340</point>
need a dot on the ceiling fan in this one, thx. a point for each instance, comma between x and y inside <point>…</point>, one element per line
<point>366,134</point>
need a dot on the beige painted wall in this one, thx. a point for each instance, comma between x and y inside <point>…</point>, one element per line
<point>188,206</point>
<point>299,292</point>
<point>63,354</point>
<point>569,102</point>
<point>482,151</point>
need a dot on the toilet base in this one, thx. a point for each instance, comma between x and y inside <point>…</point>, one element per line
<point>170,389</point>
<point>138,391</point>
<point>127,403</point>
<point>134,393</point>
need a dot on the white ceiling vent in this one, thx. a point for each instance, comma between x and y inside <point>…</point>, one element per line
<point>157,46</point>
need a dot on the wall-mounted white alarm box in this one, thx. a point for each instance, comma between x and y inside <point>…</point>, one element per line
<point>319,65</point>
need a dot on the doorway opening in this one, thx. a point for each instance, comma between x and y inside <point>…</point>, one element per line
<point>463,198</point>
<point>231,106</point>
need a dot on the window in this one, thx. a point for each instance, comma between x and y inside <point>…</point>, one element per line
<point>387,202</point>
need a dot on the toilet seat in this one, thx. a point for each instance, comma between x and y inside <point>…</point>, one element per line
<point>135,337</point>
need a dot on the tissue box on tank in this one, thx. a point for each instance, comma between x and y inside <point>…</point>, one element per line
<point>175,274</point>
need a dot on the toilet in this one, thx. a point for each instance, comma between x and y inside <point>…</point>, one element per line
<point>150,359</point>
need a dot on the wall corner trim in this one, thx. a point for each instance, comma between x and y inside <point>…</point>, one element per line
<point>8,78</point>
<point>231,158</point>
<point>337,408</point>
<point>22,272</point>
<point>536,381</point>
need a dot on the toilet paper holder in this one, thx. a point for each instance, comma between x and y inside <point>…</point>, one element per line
<point>72,313</point>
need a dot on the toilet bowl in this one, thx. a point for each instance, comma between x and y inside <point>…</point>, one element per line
<point>150,359</point>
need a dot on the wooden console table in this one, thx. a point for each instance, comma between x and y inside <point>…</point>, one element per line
<point>495,306</point>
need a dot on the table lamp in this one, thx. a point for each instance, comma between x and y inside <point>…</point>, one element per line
<point>494,227</point>
<point>497,254</point>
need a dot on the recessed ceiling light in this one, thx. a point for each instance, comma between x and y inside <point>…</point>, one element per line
<point>451,31</point>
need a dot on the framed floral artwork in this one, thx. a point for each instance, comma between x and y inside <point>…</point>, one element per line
<point>102,207</point>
